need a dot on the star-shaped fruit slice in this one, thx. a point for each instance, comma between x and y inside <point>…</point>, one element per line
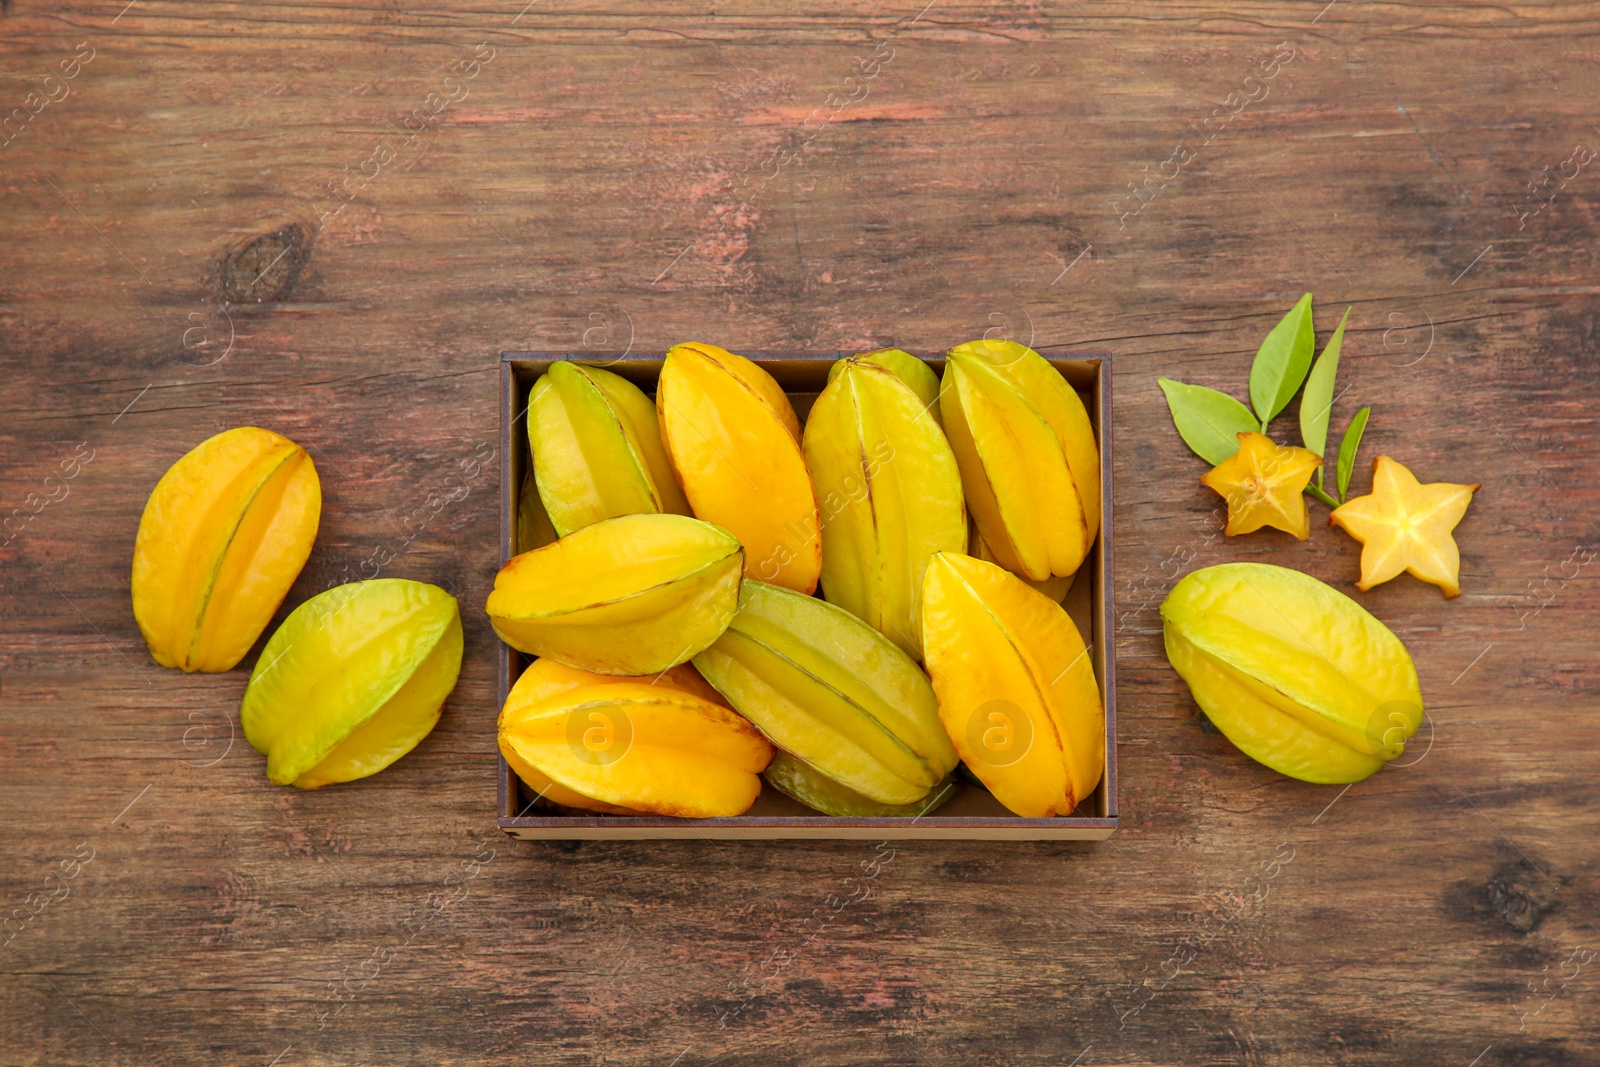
<point>1404,525</point>
<point>1263,483</point>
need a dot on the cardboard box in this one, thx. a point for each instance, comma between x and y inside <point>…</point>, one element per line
<point>971,813</point>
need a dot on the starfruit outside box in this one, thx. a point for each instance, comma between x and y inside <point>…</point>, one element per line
<point>971,813</point>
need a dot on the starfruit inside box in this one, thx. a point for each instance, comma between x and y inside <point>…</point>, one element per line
<point>778,595</point>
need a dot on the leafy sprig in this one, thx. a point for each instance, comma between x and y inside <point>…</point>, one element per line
<point>1210,421</point>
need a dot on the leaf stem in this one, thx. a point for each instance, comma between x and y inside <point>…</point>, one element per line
<point>1322,496</point>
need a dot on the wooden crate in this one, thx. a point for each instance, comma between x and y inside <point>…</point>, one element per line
<point>971,813</point>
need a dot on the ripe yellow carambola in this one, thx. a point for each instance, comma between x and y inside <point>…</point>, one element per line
<point>545,678</point>
<point>1016,687</point>
<point>890,494</point>
<point>1296,674</point>
<point>623,747</point>
<point>826,687</point>
<point>631,595</point>
<point>734,441</point>
<point>1029,463</point>
<point>223,536</point>
<point>596,448</point>
<point>353,680</point>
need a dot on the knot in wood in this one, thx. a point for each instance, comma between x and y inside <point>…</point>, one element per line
<point>1520,896</point>
<point>265,269</point>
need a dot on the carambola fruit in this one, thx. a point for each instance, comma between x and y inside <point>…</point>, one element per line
<point>890,495</point>
<point>1264,484</point>
<point>826,687</point>
<point>1293,672</point>
<point>545,678</point>
<point>596,449</point>
<point>630,595</point>
<point>734,441</point>
<point>223,536</point>
<point>352,680</point>
<point>1029,463</point>
<point>794,777</point>
<point>1016,687</point>
<point>636,748</point>
<point>1404,525</point>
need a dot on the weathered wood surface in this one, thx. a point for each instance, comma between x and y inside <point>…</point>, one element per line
<point>579,190</point>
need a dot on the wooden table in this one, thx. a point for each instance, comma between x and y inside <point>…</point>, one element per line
<point>329,219</point>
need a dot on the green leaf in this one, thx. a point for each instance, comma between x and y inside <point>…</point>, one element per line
<point>1347,449</point>
<point>1316,403</point>
<point>1282,362</point>
<point>1209,422</point>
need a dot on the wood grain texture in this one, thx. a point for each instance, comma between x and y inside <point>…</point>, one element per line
<point>225,218</point>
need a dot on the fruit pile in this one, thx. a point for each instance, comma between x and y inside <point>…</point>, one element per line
<point>667,583</point>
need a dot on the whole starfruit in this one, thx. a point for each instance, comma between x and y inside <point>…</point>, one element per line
<point>223,536</point>
<point>890,494</point>
<point>1292,671</point>
<point>795,778</point>
<point>631,595</point>
<point>1029,463</point>
<point>596,449</point>
<point>826,687</point>
<point>353,680</point>
<point>545,678</point>
<point>1016,687</point>
<point>734,441</point>
<point>624,748</point>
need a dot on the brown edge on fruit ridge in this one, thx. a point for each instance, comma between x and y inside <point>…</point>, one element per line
<point>519,369</point>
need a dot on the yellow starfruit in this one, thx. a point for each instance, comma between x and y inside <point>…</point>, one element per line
<point>1264,484</point>
<point>1030,465</point>
<point>1404,525</point>
<point>631,595</point>
<point>1015,684</point>
<point>353,680</point>
<point>596,448</point>
<point>1296,674</point>
<point>223,536</point>
<point>545,678</point>
<point>830,689</point>
<point>637,748</point>
<point>734,441</point>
